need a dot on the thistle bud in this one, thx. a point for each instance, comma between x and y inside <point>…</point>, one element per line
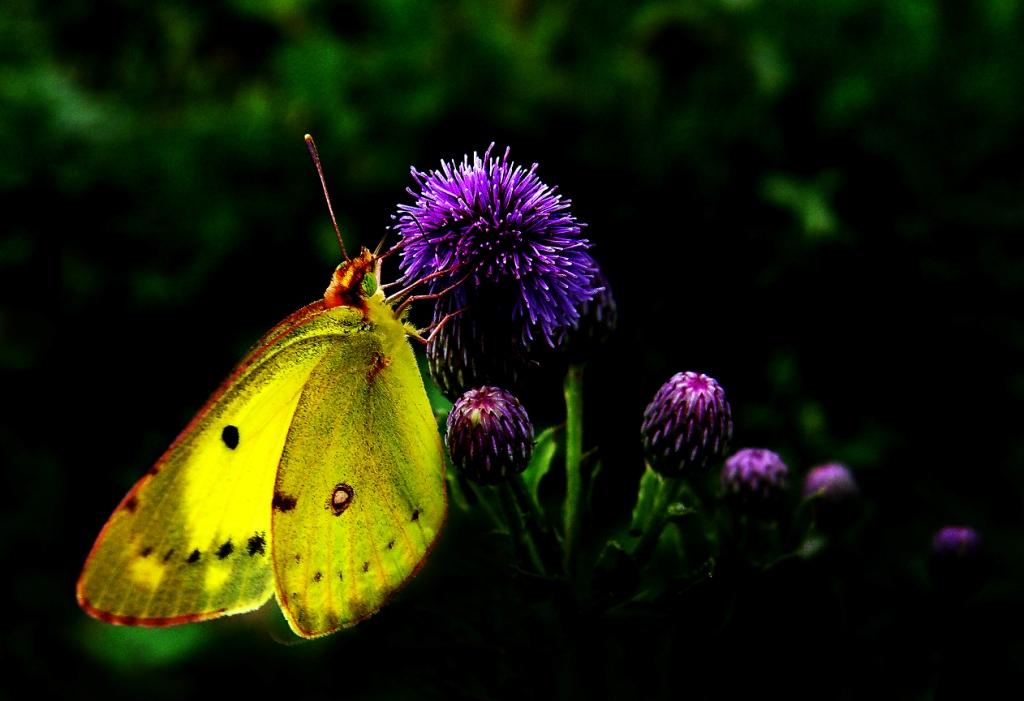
<point>834,493</point>
<point>489,435</point>
<point>754,478</point>
<point>686,425</point>
<point>956,559</point>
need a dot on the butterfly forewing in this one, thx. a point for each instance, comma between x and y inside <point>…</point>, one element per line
<point>191,540</point>
<point>359,496</point>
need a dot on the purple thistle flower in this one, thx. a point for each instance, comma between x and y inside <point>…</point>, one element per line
<point>489,435</point>
<point>686,425</point>
<point>498,226</point>
<point>754,477</point>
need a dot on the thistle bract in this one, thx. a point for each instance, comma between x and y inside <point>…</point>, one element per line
<point>686,425</point>
<point>489,435</point>
<point>469,352</point>
<point>502,234</point>
<point>754,477</point>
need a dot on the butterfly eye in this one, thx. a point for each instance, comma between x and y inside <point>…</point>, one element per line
<point>341,498</point>
<point>369,284</point>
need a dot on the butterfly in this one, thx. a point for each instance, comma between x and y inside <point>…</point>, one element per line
<point>314,473</point>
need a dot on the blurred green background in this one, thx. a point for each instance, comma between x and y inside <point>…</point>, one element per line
<point>820,204</point>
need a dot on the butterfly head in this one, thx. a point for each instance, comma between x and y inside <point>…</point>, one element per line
<point>353,281</point>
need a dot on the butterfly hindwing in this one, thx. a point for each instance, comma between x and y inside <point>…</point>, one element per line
<point>359,496</point>
<point>315,471</point>
<point>191,540</point>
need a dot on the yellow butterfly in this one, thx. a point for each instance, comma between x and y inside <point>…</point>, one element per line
<point>314,473</point>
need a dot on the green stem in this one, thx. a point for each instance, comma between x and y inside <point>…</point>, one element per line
<point>573,455</point>
<point>536,527</point>
<point>475,499</point>
<point>669,490</point>
<point>523,544</point>
<point>512,521</point>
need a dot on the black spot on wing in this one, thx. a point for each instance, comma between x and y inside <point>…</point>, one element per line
<point>194,557</point>
<point>167,555</point>
<point>230,436</point>
<point>366,567</point>
<point>415,514</point>
<point>318,576</point>
<point>257,545</point>
<point>146,551</point>
<point>298,558</point>
<point>225,549</point>
<point>391,544</point>
<point>283,502</point>
<point>341,576</point>
<point>131,505</point>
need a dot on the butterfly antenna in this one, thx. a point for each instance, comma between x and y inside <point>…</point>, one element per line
<point>311,145</point>
<point>380,245</point>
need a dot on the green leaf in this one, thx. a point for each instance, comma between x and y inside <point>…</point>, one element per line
<point>455,493</point>
<point>615,576</point>
<point>812,547</point>
<point>677,510</point>
<point>592,480</point>
<point>646,497</point>
<point>482,499</point>
<point>544,448</point>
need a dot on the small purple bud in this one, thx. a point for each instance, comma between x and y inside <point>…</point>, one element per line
<point>956,543</point>
<point>956,559</point>
<point>832,482</point>
<point>754,477</point>
<point>687,425</point>
<point>834,493</point>
<point>489,435</point>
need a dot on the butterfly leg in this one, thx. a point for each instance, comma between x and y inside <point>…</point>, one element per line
<point>416,298</point>
<point>434,328</point>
